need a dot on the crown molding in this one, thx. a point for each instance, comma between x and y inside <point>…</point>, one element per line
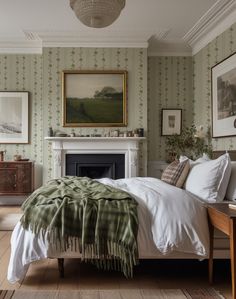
<point>20,47</point>
<point>166,53</point>
<point>82,39</point>
<point>34,41</point>
<point>94,44</point>
<point>169,47</point>
<point>215,21</point>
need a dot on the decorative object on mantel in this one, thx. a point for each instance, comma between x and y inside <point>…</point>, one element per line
<point>141,132</point>
<point>50,132</point>
<point>97,13</point>
<point>94,98</point>
<point>2,155</point>
<point>115,133</point>
<point>59,134</point>
<point>193,142</point>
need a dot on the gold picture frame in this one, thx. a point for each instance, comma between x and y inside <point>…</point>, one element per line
<point>94,98</point>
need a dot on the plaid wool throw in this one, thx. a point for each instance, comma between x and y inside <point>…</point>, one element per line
<point>82,214</point>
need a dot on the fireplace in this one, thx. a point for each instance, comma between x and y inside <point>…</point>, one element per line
<point>125,147</point>
<point>96,166</point>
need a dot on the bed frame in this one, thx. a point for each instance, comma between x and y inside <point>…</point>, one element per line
<point>221,241</point>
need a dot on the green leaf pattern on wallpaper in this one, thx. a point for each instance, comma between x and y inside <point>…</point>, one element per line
<point>20,72</point>
<point>220,48</point>
<point>57,59</point>
<point>169,86</point>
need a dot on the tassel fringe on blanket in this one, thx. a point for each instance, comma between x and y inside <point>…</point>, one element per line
<point>84,215</point>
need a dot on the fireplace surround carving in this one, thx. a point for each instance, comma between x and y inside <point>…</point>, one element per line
<point>129,147</point>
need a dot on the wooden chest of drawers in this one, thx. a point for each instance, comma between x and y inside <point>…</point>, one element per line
<point>16,177</point>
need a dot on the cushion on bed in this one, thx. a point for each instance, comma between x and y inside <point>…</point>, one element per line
<point>176,173</point>
<point>209,180</point>
<point>202,159</point>
<point>231,190</point>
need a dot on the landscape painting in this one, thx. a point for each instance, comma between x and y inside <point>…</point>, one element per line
<point>94,98</point>
<point>13,117</point>
<point>223,76</point>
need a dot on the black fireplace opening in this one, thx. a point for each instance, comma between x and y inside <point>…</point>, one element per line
<point>96,166</point>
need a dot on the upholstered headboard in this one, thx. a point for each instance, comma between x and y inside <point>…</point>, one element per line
<point>232,154</point>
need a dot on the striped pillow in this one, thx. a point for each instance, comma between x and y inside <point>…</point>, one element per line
<point>176,173</point>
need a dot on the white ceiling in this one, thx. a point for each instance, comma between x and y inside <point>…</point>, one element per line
<point>52,22</point>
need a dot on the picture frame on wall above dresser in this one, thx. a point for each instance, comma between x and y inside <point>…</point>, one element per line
<point>94,98</point>
<point>14,117</point>
<point>171,122</point>
<point>223,89</point>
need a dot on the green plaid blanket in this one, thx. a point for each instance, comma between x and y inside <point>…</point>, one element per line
<point>82,214</point>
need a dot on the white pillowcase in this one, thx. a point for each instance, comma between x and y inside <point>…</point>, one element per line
<point>202,159</point>
<point>209,180</point>
<point>231,190</point>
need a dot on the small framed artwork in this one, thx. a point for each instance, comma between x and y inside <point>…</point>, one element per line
<point>14,117</point>
<point>171,121</point>
<point>223,82</point>
<point>94,98</point>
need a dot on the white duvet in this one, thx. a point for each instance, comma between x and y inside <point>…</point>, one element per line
<point>170,220</point>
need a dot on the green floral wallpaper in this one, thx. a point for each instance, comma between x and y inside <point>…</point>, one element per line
<point>169,86</point>
<point>41,76</point>
<point>57,59</point>
<point>214,52</point>
<point>24,73</point>
<point>170,82</point>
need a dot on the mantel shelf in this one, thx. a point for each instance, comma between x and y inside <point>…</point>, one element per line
<point>71,139</point>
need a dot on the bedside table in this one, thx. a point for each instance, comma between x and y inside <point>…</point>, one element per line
<point>224,219</point>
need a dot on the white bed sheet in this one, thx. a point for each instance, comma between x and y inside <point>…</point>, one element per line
<point>170,220</point>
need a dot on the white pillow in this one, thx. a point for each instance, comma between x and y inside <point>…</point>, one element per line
<point>202,159</point>
<point>231,190</point>
<point>209,180</point>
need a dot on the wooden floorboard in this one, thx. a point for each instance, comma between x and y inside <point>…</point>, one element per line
<point>166,274</point>
<point>81,276</point>
<point>2,234</point>
<point>10,209</point>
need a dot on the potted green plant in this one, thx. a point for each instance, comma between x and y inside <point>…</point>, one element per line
<point>192,142</point>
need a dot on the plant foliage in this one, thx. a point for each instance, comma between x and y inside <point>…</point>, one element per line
<point>189,143</point>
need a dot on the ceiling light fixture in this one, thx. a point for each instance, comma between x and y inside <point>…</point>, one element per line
<point>97,13</point>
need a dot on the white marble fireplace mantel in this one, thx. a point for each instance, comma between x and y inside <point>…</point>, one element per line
<point>129,146</point>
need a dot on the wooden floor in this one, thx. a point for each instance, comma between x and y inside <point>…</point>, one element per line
<point>156,274</point>
<point>9,209</point>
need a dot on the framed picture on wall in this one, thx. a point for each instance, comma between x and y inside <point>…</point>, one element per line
<point>14,117</point>
<point>223,82</point>
<point>171,122</point>
<point>94,98</point>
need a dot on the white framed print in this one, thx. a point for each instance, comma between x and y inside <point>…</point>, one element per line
<point>223,80</point>
<point>14,117</point>
<point>171,122</point>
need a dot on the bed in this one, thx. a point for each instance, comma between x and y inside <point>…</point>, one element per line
<point>172,224</point>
